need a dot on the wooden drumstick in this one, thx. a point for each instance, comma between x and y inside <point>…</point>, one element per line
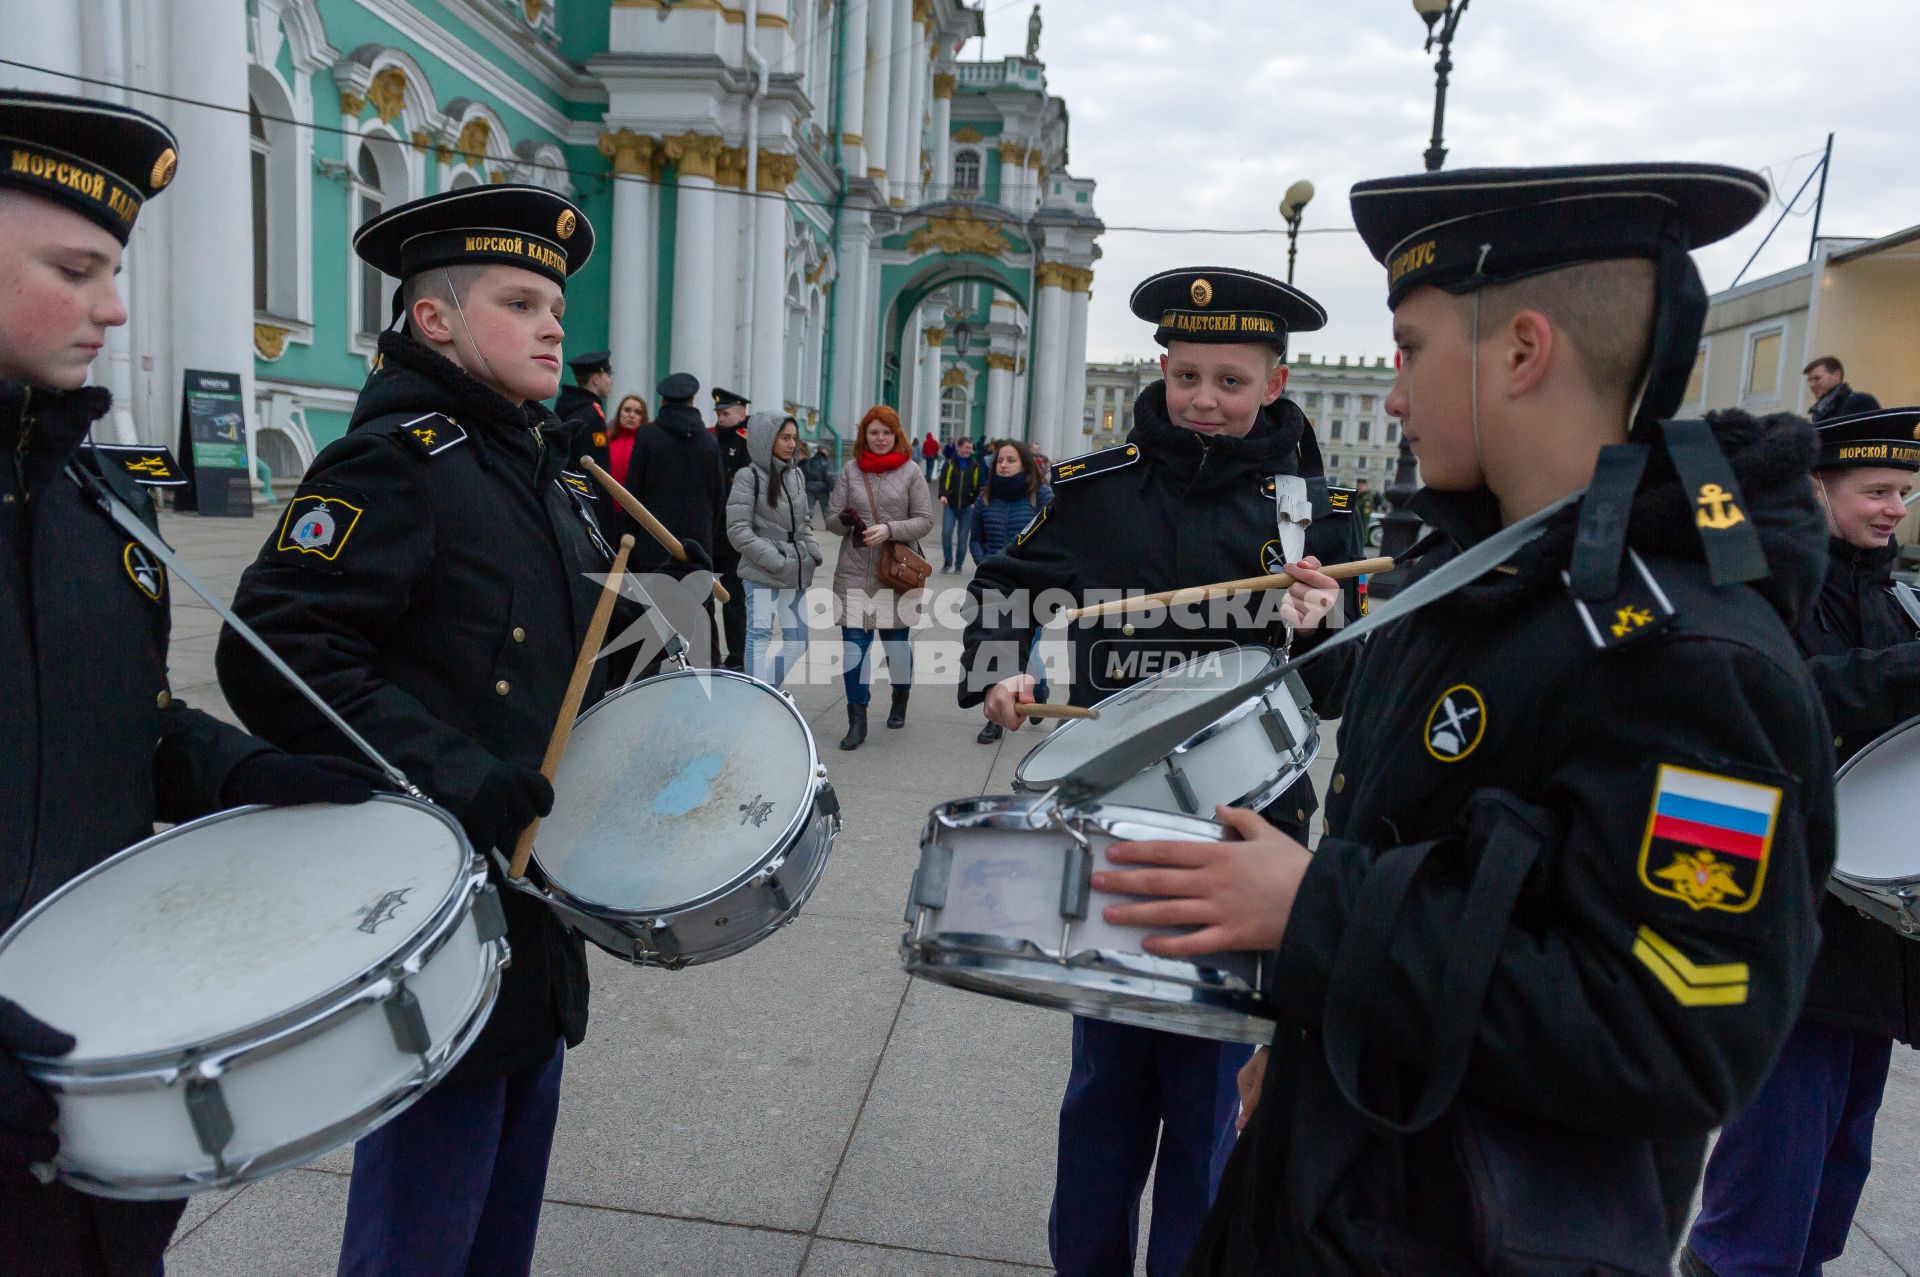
<point>1220,589</point>
<point>576,692</point>
<point>1043,709</point>
<point>644,517</point>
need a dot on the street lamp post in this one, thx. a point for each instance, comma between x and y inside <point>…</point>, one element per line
<point>1401,527</point>
<point>1292,208</point>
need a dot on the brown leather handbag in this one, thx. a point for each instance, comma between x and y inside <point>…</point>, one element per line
<point>900,566</point>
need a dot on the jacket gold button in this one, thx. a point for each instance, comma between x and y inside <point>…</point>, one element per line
<point>501,687</point>
<point>1339,781</point>
<point>519,635</point>
<point>1836,742</point>
<point>163,700</point>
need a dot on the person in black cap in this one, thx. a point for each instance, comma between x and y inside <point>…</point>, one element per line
<point>583,405</point>
<point>440,607</point>
<point>1786,1174</point>
<point>730,429</point>
<point>1565,906</point>
<point>96,746</point>
<point>1220,478</point>
<point>677,472</point>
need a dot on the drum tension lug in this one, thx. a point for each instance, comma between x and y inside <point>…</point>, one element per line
<point>1182,790</point>
<point>931,879</point>
<point>212,1121</point>
<point>1076,883</point>
<point>781,900</point>
<point>661,940</point>
<point>1278,734</point>
<point>826,801</point>
<point>407,1022</point>
<point>489,918</point>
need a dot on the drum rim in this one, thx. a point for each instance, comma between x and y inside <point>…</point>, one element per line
<point>284,1028</point>
<point>1192,742</point>
<point>1898,729</point>
<point>795,826</point>
<point>1015,811</point>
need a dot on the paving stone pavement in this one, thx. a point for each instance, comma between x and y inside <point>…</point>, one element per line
<point>804,1108</point>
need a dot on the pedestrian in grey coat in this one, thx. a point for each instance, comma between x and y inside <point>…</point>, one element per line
<point>767,524</point>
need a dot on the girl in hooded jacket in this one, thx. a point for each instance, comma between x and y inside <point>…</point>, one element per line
<point>767,523</point>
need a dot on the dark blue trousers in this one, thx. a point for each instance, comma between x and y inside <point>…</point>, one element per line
<point>452,1187</point>
<point>1132,1091</point>
<point>1786,1175</point>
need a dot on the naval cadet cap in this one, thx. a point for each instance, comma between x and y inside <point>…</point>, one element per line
<point>1463,229</point>
<point>678,386</point>
<point>506,225</point>
<point>100,159</point>
<point>1884,437</point>
<point>726,398</point>
<point>590,362</point>
<point>1221,306</point>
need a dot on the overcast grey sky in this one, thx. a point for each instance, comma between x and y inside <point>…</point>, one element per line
<point>1202,114</point>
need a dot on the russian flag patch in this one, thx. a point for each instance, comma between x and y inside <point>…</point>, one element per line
<point>1708,839</point>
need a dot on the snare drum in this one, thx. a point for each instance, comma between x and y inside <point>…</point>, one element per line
<point>255,988</point>
<point>1877,865</point>
<point>1002,904</point>
<point>691,819</point>
<point>1246,758</point>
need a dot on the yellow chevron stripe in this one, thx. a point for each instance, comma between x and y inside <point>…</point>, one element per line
<point>1692,985</point>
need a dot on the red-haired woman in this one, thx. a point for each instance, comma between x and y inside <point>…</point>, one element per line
<point>880,496</point>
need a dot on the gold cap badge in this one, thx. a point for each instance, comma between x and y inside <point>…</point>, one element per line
<point>1202,292</point>
<point>564,228</point>
<point>163,169</point>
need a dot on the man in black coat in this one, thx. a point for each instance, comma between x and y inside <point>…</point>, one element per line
<point>676,470</point>
<point>433,578</point>
<point>1832,396</point>
<point>1214,482</point>
<point>730,431</point>
<point>1786,1175</point>
<point>583,405</point>
<point>94,746</point>
<point>1563,914</point>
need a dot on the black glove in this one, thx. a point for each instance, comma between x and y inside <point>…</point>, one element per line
<point>508,800</point>
<point>26,1109</point>
<point>697,555</point>
<point>287,780</point>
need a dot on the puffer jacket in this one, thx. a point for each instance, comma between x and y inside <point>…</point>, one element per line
<point>775,539</point>
<point>997,522</point>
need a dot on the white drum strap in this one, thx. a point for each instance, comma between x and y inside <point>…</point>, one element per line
<point>1292,512</point>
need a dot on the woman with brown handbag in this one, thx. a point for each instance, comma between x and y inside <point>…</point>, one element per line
<point>883,508</point>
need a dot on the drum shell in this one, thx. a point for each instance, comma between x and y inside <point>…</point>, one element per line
<point>1875,869</point>
<point>997,925</point>
<point>293,1087</point>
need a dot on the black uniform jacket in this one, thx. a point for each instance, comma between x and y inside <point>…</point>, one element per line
<point>441,617</point>
<point>1638,992</point>
<point>95,748</point>
<point>586,418</point>
<point>734,458</point>
<point>1167,509</point>
<point>1861,648</point>
<point>675,471</point>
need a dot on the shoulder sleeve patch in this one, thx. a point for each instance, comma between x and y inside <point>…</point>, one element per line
<point>1095,463</point>
<point>150,467</point>
<point>577,482</point>
<point>1638,610</point>
<point>1339,500</point>
<point>317,526</point>
<point>1034,524</point>
<point>432,434</point>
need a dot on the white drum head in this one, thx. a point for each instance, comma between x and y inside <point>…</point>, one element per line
<point>1134,709</point>
<point>673,789</point>
<point>1874,799</point>
<point>220,925</point>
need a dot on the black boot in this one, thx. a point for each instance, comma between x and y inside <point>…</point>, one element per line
<point>990,733</point>
<point>897,717</point>
<point>856,727</point>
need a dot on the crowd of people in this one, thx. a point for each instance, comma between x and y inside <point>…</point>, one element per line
<point>1567,912</point>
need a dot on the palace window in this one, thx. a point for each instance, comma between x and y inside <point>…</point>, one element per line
<point>262,152</point>
<point>966,173</point>
<point>370,198</point>
<point>1334,429</point>
<point>955,413</point>
<point>1366,432</point>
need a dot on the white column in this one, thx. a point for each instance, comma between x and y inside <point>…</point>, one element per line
<point>930,388</point>
<point>880,69</point>
<point>693,279</point>
<point>767,379</point>
<point>1046,374</point>
<point>850,335</point>
<point>901,134</point>
<point>631,304</point>
<point>1076,370</point>
<point>917,87</point>
<point>1000,423</point>
<point>1017,421</point>
<point>853,87</point>
<point>211,232</point>
<point>103,55</point>
<point>726,283</point>
<point>942,144</point>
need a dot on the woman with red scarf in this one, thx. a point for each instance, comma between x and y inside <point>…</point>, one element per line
<point>627,420</point>
<point>878,497</point>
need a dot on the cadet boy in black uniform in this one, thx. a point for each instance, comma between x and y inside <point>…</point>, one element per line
<point>95,747</point>
<point>433,579</point>
<point>1565,909</point>
<point>730,432</point>
<point>1785,1176</point>
<point>1214,482</point>
<point>583,406</point>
